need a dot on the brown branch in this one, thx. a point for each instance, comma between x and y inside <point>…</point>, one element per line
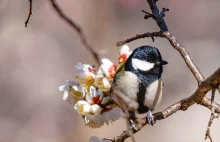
<point>205,86</point>
<point>78,29</point>
<point>207,135</point>
<point>207,103</point>
<point>212,117</point>
<point>152,35</point>
<point>30,13</point>
<point>195,71</point>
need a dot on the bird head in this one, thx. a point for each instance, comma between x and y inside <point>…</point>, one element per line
<point>145,59</point>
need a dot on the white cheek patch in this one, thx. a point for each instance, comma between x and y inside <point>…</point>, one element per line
<point>142,65</point>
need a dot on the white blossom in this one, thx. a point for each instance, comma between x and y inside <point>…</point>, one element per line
<point>65,89</point>
<point>124,54</point>
<point>113,115</point>
<point>83,107</point>
<point>94,96</point>
<point>102,83</point>
<point>86,74</point>
<point>107,68</point>
<point>78,92</point>
<point>96,121</point>
<point>96,109</point>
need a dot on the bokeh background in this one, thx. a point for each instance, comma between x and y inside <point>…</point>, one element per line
<point>35,60</point>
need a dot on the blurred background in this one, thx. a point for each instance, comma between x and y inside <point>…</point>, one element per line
<point>35,60</point>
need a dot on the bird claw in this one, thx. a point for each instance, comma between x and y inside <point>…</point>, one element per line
<point>132,124</point>
<point>150,118</point>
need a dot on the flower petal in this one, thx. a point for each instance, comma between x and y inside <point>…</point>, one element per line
<point>87,109</point>
<point>68,97</point>
<point>96,139</point>
<point>113,114</point>
<point>106,84</point>
<point>70,82</point>
<point>82,107</point>
<point>89,99</point>
<point>105,69</point>
<point>92,91</point>
<point>65,95</point>
<point>100,94</point>
<point>124,49</point>
<point>61,88</point>
<point>76,88</point>
<point>66,86</point>
<point>106,62</point>
<point>78,92</point>
<point>79,67</point>
<point>96,109</point>
<point>94,121</point>
<point>102,83</point>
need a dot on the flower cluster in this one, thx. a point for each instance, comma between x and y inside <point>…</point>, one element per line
<point>91,91</point>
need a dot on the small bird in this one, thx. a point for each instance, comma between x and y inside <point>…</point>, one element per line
<point>137,85</point>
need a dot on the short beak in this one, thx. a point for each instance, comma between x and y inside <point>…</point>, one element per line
<point>163,62</point>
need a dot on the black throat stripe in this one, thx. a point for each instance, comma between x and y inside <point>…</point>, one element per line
<point>141,98</point>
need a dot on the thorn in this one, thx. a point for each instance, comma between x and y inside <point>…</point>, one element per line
<point>162,13</point>
<point>152,37</point>
<point>148,15</point>
<point>146,12</point>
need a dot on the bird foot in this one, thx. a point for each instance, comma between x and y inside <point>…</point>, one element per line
<point>150,118</point>
<point>133,125</point>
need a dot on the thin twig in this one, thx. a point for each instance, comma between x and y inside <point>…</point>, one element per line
<point>30,13</point>
<point>207,135</point>
<point>139,36</point>
<point>78,29</point>
<point>157,15</point>
<point>195,71</point>
<point>213,116</point>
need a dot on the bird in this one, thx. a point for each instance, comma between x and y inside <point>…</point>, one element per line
<point>137,85</point>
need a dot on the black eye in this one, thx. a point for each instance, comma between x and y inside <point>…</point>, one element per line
<point>149,58</point>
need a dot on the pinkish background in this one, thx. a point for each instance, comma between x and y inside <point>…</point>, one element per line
<point>34,61</point>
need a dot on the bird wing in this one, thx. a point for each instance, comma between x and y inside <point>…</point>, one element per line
<point>119,71</point>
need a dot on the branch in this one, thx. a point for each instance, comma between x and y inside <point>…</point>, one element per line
<point>205,86</point>
<point>78,29</point>
<point>151,35</point>
<point>195,71</point>
<point>30,13</point>
<point>212,117</point>
<point>157,15</point>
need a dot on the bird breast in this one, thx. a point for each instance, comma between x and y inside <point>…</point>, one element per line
<point>153,94</point>
<point>125,91</point>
